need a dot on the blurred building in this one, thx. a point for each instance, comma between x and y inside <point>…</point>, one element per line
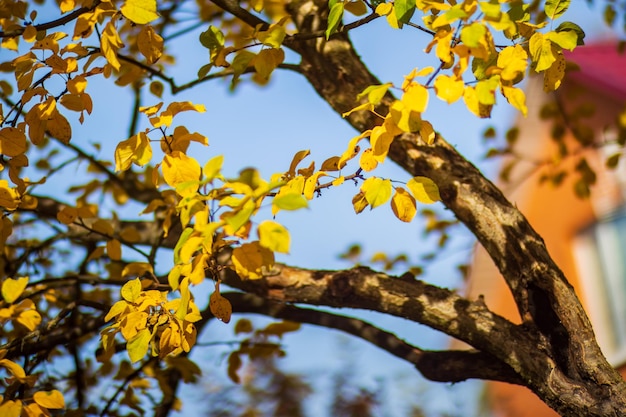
<point>586,237</point>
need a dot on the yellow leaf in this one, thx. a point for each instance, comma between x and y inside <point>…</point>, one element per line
<point>34,410</point>
<point>512,61</point>
<point>131,290</point>
<point>404,118</point>
<point>116,309</point>
<point>16,370</point>
<point>67,215</point>
<point>150,44</point>
<point>114,249</point>
<point>359,202</point>
<point>449,89</point>
<point>267,60</point>
<point>136,149</point>
<point>377,191</point>
<point>516,97</point>
<point>380,142</point>
<point>138,346</point>
<point>357,8</point>
<point>132,323</point>
<point>50,399</point>
<point>10,408</point>
<point>140,11</point>
<point>59,128</point>
<point>553,76</point>
<point>424,190</point>
<point>310,184</point>
<point>179,169</point>
<point>185,299</point>
<point>110,43</point>
<point>427,132</point>
<point>474,105</point>
<point>67,5</point>
<point>274,236</point>
<point>30,319</point>
<point>166,117</point>
<point>415,98</point>
<point>338,181</point>
<point>213,168</point>
<point>297,158</point>
<point>367,162</point>
<point>541,52</point>
<point>403,205</point>
<point>12,141</point>
<point>50,42</point>
<point>9,197</point>
<point>13,288</point>
<point>220,307</point>
<point>289,201</point>
<point>252,261</point>
<point>131,235</point>
<point>30,34</point>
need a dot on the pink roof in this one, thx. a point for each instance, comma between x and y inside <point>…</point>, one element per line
<point>601,66</point>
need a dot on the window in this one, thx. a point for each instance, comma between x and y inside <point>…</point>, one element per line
<point>600,252</point>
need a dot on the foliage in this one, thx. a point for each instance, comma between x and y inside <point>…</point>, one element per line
<point>213,227</point>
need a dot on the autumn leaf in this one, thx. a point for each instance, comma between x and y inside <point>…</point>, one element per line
<point>449,89</point>
<point>403,205</point>
<point>220,307</point>
<point>12,141</point>
<point>13,288</point>
<point>377,191</point>
<point>181,173</point>
<point>49,399</point>
<point>274,236</point>
<point>150,44</point>
<point>140,11</point>
<point>137,347</point>
<point>252,261</point>
<point>131,290</point>
<point>424,190</point>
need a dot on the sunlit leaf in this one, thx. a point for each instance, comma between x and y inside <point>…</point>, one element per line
<point>403,205</point>
<point>50,399</point>
<point>377,191</point>
<point>13,288</point>
<point>137,347</point>
<point>274,236</point>
<point>424,190</point>
<point>150,44</point>
<point>140,11</point>
<point>131,290</point>
<point>252,261</point>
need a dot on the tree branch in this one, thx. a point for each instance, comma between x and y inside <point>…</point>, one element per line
<point>443,366</point>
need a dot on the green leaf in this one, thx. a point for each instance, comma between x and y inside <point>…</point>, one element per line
<point>334,18</point>
<point>212,38</point>
<point>555,8</point>
<point>404,10</point>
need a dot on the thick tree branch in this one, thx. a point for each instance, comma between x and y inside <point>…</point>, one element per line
<point>444,366</point>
